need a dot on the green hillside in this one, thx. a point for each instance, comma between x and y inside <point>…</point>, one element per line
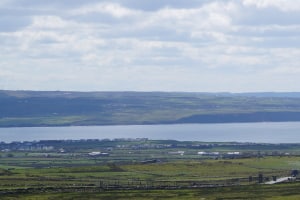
<point>57,108</point>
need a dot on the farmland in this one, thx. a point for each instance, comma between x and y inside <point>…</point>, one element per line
<point>38,108</point>
<point>146,169</point>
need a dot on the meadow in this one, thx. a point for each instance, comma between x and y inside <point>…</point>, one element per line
<point>149,173</point>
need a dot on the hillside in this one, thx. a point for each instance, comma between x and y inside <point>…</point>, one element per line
<point>58,108</point>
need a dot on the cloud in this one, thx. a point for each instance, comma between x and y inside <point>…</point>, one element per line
<point>113,9</point>
<point>135,45</point>
<point>48,22</point>
<point>283,5</point>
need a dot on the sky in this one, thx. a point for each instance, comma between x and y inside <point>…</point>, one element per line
<point>150,45</point>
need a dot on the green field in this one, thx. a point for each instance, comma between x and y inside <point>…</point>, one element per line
<point>289,191</point>
<point>129,173</point>
<point>42,108</point>
<point>197,179</point>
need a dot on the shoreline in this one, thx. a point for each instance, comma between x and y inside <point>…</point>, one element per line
<point>146,124</point>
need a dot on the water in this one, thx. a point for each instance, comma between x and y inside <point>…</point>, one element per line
<point>285,132</point>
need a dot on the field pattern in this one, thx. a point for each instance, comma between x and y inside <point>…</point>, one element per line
<point>131,170</point>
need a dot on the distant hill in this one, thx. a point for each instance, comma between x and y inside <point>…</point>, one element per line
<point>64,108</point>
<point>271,94</point>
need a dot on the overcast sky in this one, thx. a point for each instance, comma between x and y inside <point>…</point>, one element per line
<point>150,45</point>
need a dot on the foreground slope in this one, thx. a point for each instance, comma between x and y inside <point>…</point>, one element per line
<point>58,108</point>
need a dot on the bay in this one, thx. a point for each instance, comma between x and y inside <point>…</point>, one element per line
<point>271,132</point>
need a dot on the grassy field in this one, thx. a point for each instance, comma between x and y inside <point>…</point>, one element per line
<point>122,181</point>
<point>145,169</point>
<point>288,191</point>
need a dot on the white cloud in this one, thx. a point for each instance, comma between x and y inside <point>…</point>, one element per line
<point>113,9</point>
<point>283,5</point>
<point>207,46</point>
<point>213,15</point>
<point>49,22</point>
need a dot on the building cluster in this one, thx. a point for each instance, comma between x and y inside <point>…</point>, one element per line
<point>96,147</point>
<point>25,146</point>
<point>234,154</point>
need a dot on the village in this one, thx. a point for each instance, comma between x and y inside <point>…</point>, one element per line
<point>162,148</point>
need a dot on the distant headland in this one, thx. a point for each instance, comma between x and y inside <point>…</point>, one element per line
<point>70,108</point>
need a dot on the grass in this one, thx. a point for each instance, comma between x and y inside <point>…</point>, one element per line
<point>288,191</point>
<point>43,120</point>
<point>122,175</point>
<point>174,172</point>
